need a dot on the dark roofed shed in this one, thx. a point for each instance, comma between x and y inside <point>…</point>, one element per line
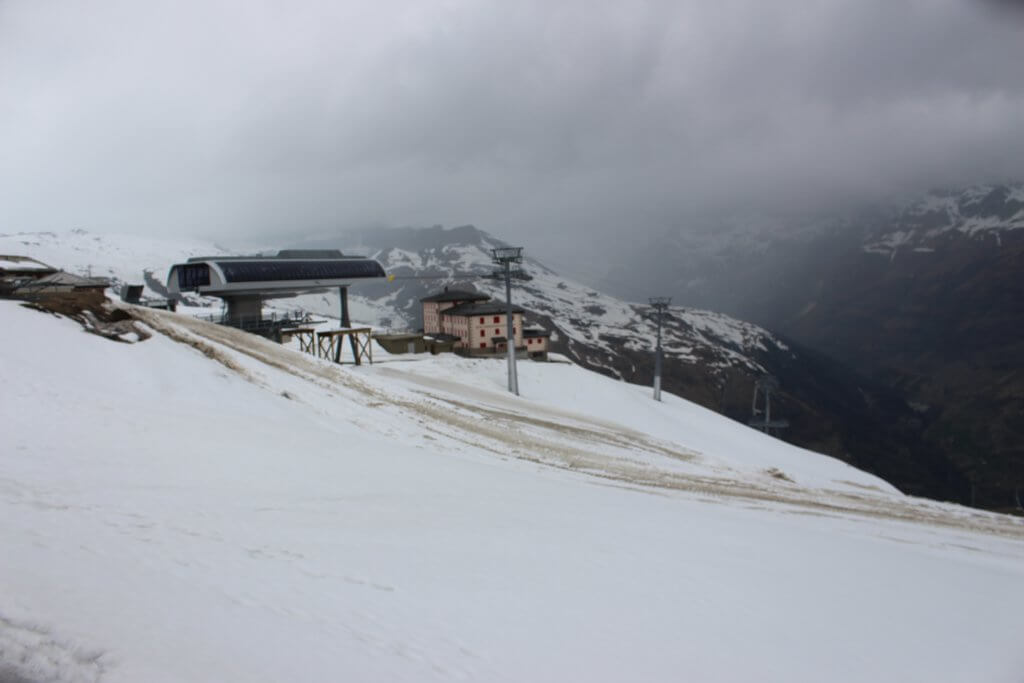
<point>449,295</point>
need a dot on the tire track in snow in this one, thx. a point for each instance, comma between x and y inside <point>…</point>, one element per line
<point>547,442</point>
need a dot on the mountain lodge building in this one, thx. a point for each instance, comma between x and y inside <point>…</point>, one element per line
<point>479,323</point>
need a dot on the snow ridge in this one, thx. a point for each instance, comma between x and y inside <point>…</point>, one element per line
<point>977,213</point>
<point>585,317</point>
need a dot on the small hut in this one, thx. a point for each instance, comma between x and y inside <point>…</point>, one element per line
<point>16,271</point>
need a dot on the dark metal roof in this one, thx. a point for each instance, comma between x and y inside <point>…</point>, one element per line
<point>64,280</point>
<point>536,333</point>
<point>310,253</point>
<point>277,270</point>
<point>456,295</point>
<point>489,308</point>
<point>303,254</point>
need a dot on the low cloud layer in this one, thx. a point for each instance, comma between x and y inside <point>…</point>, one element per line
<point>541,122</point>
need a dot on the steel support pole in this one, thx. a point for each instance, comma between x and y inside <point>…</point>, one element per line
<point>513,380</point>
<point>344,320</point>
<point>657,362</point>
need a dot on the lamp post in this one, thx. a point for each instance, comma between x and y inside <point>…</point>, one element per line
<point>505,257</point>
<point>660,305</point>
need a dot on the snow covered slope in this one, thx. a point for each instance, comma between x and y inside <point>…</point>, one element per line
<point>121,258</point>
<point>208,506</point>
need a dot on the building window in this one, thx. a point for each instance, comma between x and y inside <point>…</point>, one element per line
<point>483,345</point>
<point>482,333</point>
<point>496,319</point>
<point>481,321</point>
<point>193,276</point>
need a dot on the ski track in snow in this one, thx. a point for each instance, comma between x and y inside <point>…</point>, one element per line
<point>504,428</point>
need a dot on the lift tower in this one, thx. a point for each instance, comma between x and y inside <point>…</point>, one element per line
<point>505,257</point>
<point>660,305</point>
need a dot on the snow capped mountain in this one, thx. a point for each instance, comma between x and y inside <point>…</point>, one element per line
<point>209,506</point>
<point>908,295</point>
<point>588,325</point>
<point>979,212</point>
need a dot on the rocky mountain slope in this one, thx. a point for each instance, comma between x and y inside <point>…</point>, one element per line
<point>933,305</point>
<point>926,298</point>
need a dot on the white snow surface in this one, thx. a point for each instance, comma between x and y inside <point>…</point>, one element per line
<point>209,506</point>
<point>121,258</point>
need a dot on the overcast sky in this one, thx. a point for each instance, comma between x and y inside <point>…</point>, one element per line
<point>538,121</point>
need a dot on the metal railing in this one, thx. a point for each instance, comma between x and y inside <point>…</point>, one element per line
<point>262,325</point>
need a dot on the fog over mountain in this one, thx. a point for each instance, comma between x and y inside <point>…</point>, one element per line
<point>567,126</point>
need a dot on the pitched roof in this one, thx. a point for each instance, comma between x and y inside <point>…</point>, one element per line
<point>310,253</point>
<point>67,280</point>
<point>456,295</point>
<point>488,308</point>
<point>536,333</point>
<point>23,264</point>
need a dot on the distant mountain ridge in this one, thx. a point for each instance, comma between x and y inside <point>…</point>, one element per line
<point>589,324</point>
<point>925,297</point>
<point>940,217</point>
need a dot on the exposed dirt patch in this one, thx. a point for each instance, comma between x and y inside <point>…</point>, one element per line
<point>776,473</point>
<point>95,316</point>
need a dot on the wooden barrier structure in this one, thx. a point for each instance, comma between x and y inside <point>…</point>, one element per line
<point>329,344</point>
<point>306,337</point>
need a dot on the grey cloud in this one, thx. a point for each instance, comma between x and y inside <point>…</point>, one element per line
<point>539,121</point>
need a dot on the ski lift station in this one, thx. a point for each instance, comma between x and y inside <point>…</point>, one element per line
<point>245,282</point>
